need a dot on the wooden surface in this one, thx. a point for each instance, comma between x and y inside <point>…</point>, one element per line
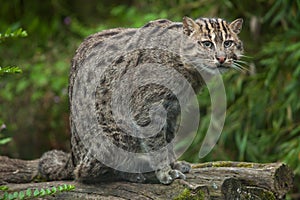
<point>215,180</point>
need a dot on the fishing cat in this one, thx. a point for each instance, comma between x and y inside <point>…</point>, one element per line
<point>220,48</point>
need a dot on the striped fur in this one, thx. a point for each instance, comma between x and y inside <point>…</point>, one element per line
<point>218,37</point>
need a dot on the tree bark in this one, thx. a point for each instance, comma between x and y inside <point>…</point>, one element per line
<point>214,180</point>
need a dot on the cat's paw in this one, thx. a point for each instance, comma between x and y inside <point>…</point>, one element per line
<point>168,175</point>
<point>182,166</point>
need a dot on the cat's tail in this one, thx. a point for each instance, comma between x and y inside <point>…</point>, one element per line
<point>56,165</point>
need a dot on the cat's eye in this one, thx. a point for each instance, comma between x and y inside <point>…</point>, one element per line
<point>207,44</point>
<point>228,43</point>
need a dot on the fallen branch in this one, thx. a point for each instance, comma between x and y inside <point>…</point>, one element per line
<point>215,180</point>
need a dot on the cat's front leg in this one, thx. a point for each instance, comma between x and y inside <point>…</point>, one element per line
<point>167,175</point>
<point>164,171</point>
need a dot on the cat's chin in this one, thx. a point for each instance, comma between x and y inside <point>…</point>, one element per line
<point>222,69</point>
<point>216,70</point>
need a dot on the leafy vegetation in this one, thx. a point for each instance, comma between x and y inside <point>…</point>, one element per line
<point>8,35</point>
<point>34,193</point>
<point>263,115</point>
<point>15,34</point>
<point>9,70</point>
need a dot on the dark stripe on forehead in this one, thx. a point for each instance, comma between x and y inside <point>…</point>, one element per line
<point>224,27</point>
<point>211,22</point>
<point>208,29</point>
<point>200,25</point>
<point>206,25</point>
<point>218,27</point>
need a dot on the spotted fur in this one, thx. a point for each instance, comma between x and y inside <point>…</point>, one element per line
<point>217,48</point>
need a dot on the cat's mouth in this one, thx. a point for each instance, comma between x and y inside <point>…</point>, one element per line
<point>217,69</point>
<point>223,68</point>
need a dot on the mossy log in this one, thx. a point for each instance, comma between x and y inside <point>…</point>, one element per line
<point>214,180</point>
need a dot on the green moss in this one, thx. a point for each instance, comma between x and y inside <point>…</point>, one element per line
<point>186,194</point>
<point>248,165</point>
<point>222,164</point>
<point>39,178</point>
<point>227,164</point>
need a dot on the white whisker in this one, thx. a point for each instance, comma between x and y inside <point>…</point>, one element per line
<point>241,61</point>
<point>237,68</point>
<point>245,56</point>
<point>241,67</point>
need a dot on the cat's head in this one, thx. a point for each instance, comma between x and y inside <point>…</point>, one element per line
<point>218,39</point>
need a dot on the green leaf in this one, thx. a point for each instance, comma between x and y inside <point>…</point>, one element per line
<point>11,196</point>
<point>36,193</point>
<point>5,140</point>
<point>10,70</point>
<point>42,192</point>
<point>65,186</point>
<point>21,195</point>
<point>15,34</point>
<point>48,191</point>
<point>60,188</point>
<point>54,190</point>
<point>28,192</point>
<point>15,195</point>
<point>70,187</point>
<point>4,187</point>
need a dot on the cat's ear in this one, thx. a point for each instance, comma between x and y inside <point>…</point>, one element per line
<point>236,25</point>
<point>189,26</point>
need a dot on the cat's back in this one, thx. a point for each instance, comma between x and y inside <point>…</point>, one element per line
<point>99,37</point>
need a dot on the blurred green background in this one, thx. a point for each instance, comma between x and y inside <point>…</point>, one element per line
<point>263,115</point>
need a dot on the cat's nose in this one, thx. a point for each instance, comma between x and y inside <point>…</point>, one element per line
<point>221,59</point>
